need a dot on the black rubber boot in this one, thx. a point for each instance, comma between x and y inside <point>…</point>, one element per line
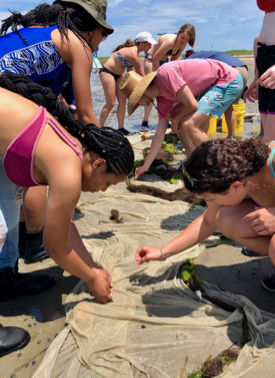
<point>13,283</point>
<point>12,339</point>
<point>21,240</point>
<point>34,250</point>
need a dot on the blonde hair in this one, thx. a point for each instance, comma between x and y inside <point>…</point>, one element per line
<point>189,30</point>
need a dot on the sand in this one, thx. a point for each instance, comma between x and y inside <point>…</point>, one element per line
<point>42,314</point>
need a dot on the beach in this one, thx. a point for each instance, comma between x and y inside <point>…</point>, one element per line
<point>222,265</point>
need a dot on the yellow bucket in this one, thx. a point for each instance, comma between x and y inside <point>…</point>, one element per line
<point>239,110</point>
<point>212,125</point>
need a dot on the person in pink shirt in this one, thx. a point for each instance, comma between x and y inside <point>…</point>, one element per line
<point>188,93</point>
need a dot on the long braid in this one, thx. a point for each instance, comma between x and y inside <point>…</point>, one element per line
<point>110,144</point>
<point>216,164</point>
<point>67,16</point>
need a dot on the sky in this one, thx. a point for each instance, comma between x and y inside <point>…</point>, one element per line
<point>220,25</point>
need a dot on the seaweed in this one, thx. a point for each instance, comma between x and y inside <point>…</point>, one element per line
<point>115,217</point>
<point>171,148</point>
<point>164,156</point>
<point>174,179</point>
<point>212,367</point>
<point>178,195</point>
<point>189,275</point>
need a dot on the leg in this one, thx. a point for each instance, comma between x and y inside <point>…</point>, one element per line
<point>230,120</point>
<point>34,207</point>
<point>148,67</point>
<point>192,126</point>
<point>109,87</point>
<point>121,109</point>
<point>10,211</point>
<point>268,126</point>
<point>229,222</point>
<point>186,142</point>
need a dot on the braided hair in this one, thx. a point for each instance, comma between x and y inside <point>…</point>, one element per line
<point>110,144</point>
<point>67,16</point>
<point>216,164</point>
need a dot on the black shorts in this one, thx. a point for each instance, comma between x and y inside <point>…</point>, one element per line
<point>264,60</point>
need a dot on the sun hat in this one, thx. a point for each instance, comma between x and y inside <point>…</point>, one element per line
<point>145,37</point>
<point>132,86</point>
<point>96,8</point>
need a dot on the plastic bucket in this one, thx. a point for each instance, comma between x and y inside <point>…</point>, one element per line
<point>239,110</point>
<point>212,125</point>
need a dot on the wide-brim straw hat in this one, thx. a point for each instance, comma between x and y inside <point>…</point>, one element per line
<point>96,8</point>
<point>132,86</point>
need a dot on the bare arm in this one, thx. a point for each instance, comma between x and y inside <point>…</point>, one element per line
<point>155,147</point>
<point>160,53</point>
<point>63,243</point>
<point>197,231</point>
<point>190,105</point>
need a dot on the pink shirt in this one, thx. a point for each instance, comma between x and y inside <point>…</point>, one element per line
<point>198,74</point>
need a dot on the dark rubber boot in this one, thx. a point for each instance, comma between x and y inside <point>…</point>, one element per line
<point>34,250</point>
<point>13,283</point>
<point>12,339</point>
<point>21,240</point>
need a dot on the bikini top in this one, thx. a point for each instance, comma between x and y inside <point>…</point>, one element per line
<point>19,156</point>
<point>126,63</point>
<point>169,53</point>
<point>267,6</point>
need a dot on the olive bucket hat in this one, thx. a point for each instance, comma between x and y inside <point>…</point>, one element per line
<point>96,8</point>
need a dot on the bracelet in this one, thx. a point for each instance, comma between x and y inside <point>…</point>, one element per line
<point>162,254</point>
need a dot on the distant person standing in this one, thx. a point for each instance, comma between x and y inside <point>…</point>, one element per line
<point>168,47</point>
<point>125,56</point>
<point>265,78</point>
<point>233,62</point>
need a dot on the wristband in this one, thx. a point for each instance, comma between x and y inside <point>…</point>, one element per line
<point>162,254</point>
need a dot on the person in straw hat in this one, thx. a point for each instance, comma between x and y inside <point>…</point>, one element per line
<point>175,86</point>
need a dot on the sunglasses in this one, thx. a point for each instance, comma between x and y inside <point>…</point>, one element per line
<point>104,33</point>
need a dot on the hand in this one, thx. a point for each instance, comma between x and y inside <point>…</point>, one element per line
<point>262,220</point>
<point>101,285</point>
<point>267,79</point>
<point>147,253</point>
<point>140,171</point>
<point>176,127</point>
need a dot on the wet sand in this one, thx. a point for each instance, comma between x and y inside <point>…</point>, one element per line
<point>42,314</point>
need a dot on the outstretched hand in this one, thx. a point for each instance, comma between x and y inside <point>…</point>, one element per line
<point>101,285</point>
<point>140,171</point>
<point>262,220</point>
<point>148,253</point>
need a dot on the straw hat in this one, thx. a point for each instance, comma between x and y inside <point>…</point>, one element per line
<point>96,8</point>
<point>132,86</point>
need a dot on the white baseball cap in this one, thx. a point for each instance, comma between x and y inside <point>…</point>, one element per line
<point>145,37</point>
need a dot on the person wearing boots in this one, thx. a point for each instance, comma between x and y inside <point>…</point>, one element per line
<point>52,47</point>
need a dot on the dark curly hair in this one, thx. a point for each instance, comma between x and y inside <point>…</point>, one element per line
<point>110,144</point>
<point>216,164</point>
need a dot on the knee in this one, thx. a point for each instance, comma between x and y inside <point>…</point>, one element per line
<point>110,104</point>
<point>224,222</point>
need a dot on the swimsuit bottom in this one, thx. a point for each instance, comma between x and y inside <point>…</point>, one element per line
<point>104,69</point>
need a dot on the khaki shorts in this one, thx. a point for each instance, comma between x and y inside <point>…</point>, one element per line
<point>244,74</point>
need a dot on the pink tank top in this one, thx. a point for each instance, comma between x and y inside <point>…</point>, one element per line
<point>19,156</point>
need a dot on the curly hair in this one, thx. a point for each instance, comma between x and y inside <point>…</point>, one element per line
<point>216,164</point>
<point>110,144</point>
<point>67,16</point>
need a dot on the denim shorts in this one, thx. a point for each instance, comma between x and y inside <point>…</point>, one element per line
<point>217,99</point>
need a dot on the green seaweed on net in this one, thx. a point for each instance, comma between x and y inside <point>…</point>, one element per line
<point>189,275</point>
<point>171,148</point>
<point>213,367</point>
<point>171,139</point>
<point>174,179</point>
